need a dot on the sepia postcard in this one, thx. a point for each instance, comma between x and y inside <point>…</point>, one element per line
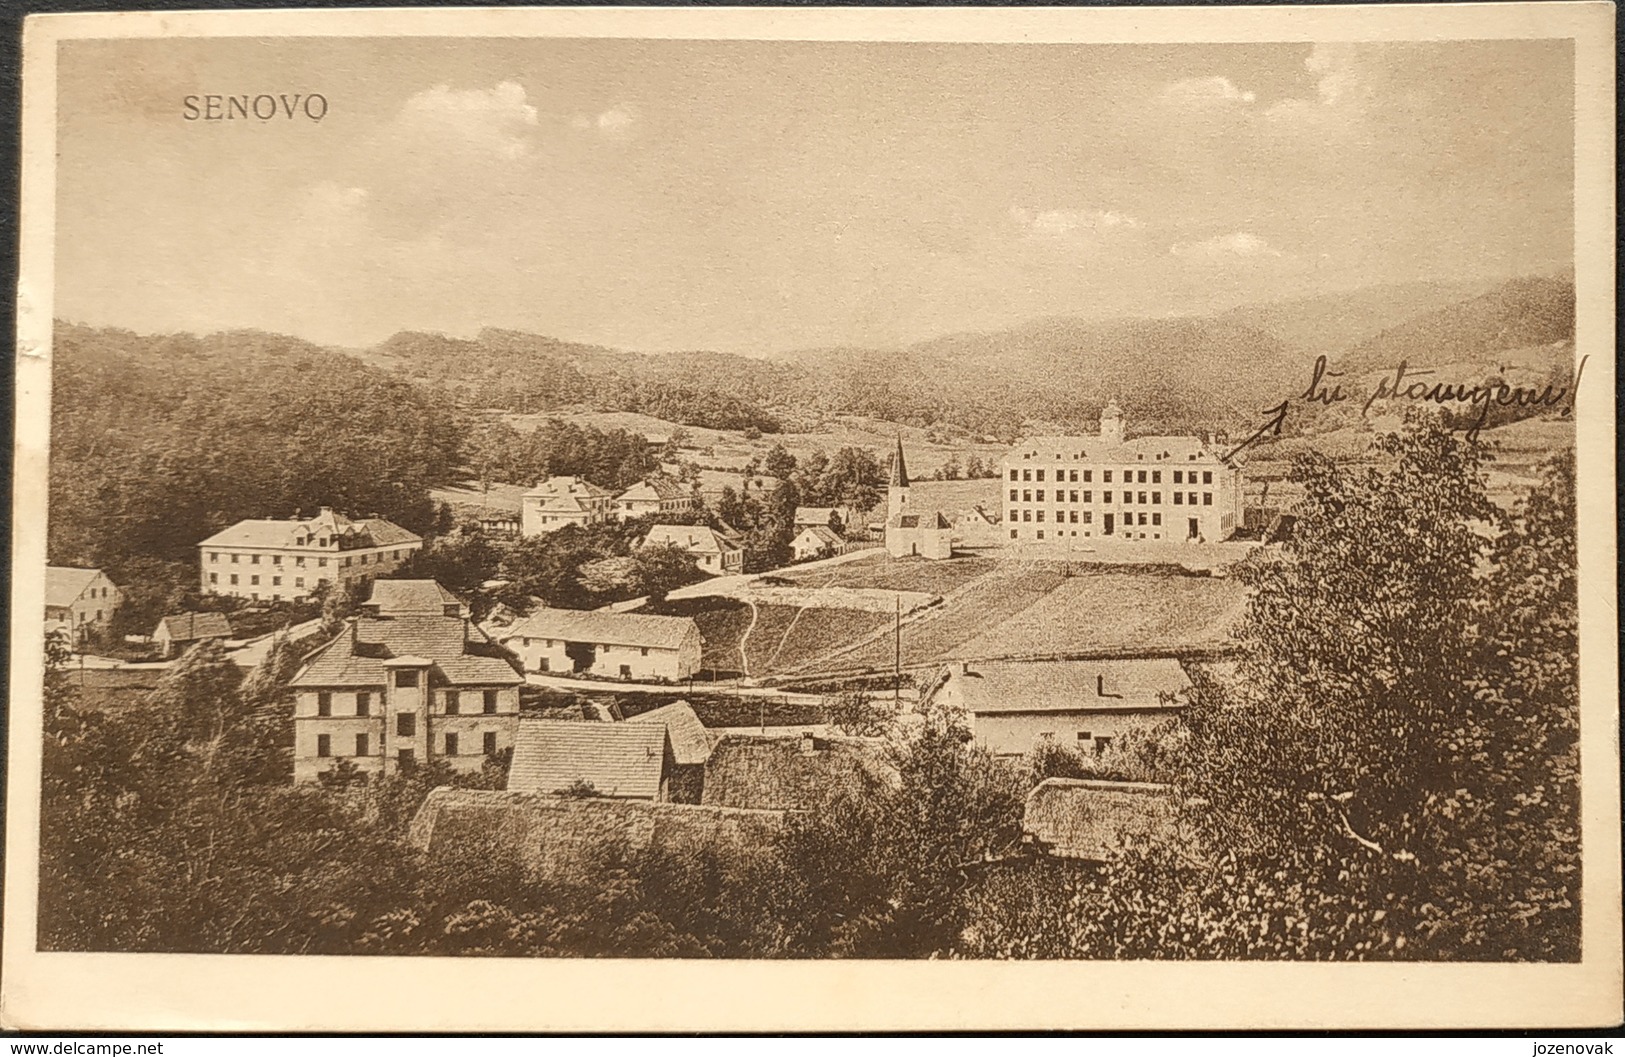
<point>636,519</point>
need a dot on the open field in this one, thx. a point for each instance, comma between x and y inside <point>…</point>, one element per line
<point>1118,611</point>
<point>881,572</point>
<point>783,637</point>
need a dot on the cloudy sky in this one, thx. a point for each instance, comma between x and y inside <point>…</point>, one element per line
<point>759,197</point>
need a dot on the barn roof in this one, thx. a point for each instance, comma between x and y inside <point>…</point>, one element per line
<point>775,772</point>
<point>689,742</point>
<point>616,759</point>
<point>64,585</point>
<point>189,627</point>
<point>618,629</point>
<point>1069,686</point>
<point>1087,819</point>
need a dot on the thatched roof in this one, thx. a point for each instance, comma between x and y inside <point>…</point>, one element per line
<point>689,743</point>
<point>793,772</point>
<point>1078,818</point>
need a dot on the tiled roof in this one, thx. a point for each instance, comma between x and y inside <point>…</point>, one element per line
<point>189,627</point>
<point>823,533</point>
<point>1084,448</point>
<point>397,597</point>
<point>933,520</point>
<point>616,759</point>
<point>699,538</point>
<point>657,487</point>
<point>1068,686</point>
<point>689,742</point>
<point>618,629</point>
<point>1085,819</point>
<point>568,487</point>
<point>287,532</point>
<point>63,585</point>
<point>461,654</point>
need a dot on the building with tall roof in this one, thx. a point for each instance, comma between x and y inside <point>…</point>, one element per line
<point>714,552</point>
<point>391,692</point>
<point>617,760</point>
<point>560,501</point>
<point>911,532</point>
<point>631,646</point>
<point>655,495</point>
<point>278,560</point>
<point>77,600</point>
<point>1109,486</point>
<point>1083,705</point>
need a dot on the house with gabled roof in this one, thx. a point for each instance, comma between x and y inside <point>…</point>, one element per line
<point>176,634</point>
<point>655,495</point>
<point>690,747</point>
<point>1082,705</point>
<point>793,772</point>
<point>268,559</point>
<point>632,646</point>
<point>717,553</point>
<point>570,758</point>
<point>1095,821</point>
<point>560,501</point>
<point>390,692</point>
<point>78,599</point>
<point>815,541</point>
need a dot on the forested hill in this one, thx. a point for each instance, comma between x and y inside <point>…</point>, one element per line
<point>1175,374</point>
<point>158,442</point>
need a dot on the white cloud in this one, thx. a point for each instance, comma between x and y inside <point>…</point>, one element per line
<point>1207,91</point>
<point>614,121</point>
<point>1220,247</point>
<point>1061,223</point>
<point>493,120</point>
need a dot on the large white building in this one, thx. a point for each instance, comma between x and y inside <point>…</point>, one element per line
<point>1107,486</point>
<point>560,501</point>
<point>655,495</point>
<point>285,560</point>
<point>78,599</point>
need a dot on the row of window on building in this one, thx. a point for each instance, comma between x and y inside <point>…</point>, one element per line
<point>299,560</point>
<point>451,700</point>
<point>1065,517</point>
<point>1071,476</point>
<point>363,746</point>
<point>254,580</point>
<point>1180,498</point>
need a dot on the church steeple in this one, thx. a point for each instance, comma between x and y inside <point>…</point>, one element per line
<point>897,486</point>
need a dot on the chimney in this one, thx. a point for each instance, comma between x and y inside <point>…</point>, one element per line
<point>808,746</point>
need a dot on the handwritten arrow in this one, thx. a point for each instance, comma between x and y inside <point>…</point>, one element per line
<point>1271,428</point>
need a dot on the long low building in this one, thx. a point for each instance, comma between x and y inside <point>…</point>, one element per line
<point>631,646</point>
<point>1085,705</point>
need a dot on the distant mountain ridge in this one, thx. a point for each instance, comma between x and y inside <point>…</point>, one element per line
<point>1175,374</point>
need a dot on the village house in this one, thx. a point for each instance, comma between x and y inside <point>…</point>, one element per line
<point>398,598</point>
<point>77,600</point>
<point>1084,705</point>
<point>910,532</point>
<point>555,757</point>
<point>839,518</point>
<point>714,552</point>
<point>654,495</point>
<point>690,748</point>
<point>560,501</point>
<point>286,560</point>
<point>391,691</point>
<point>1173,489</point>
<point>815,541</point>
<point>177,634</point>
<point>500,525</point>
<point>632,646</point>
